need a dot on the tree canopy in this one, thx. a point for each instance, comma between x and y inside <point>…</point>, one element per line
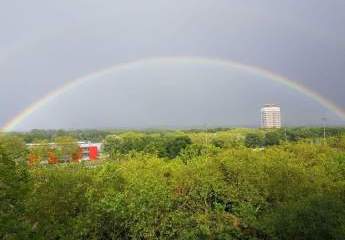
<point>179,186</point>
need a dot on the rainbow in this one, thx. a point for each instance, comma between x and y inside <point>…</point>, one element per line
<point>11,125</point>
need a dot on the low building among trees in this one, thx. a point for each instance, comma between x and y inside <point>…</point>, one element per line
<point>64,149</point>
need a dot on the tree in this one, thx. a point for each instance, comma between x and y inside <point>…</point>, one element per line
<point>290,191</point>
<point>156,145</point>
<point>272,138</point>
<point>218,143</point>
<point>39,152</point>
<point>176,144</point>
<point>316,217</point>
<point>57,206</point>
<point>14,147</point>
<point>197,150</point>
<point>113,146</point>
<point>14,186</point>
<point>253,140</point>
<point>66,148</point>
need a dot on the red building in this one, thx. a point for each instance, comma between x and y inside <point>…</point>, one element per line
<point>87,152</point>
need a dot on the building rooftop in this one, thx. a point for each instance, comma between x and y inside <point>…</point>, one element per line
<point>271,105</point>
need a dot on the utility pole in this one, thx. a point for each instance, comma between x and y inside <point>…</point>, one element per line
<point>324,121</point>
<point>206,140</point>
<point>206,136</point>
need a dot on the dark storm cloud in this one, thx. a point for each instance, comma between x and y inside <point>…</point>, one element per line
<point>45,44</point>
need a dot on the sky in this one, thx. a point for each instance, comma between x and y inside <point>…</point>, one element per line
<point>46,44</point>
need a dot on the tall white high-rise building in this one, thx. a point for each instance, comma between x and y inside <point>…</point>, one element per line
<point>270,116</point>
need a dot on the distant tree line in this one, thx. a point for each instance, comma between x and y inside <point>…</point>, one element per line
<point>95,135</point>
<point>276,136</point>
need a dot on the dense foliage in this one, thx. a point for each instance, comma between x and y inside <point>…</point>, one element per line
<point>167,145</point>
<point>14,187</point>
<point>227,184</point>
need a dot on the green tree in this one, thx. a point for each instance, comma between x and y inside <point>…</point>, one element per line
<point>39,152</point>
<point>218,143</point>
<point>14,186</point>
<point>316,217</point>
<point>66,148</point>
<point>194,151</point>
<point>113,146</point>
<point>253,140</point>
<point>293,190</point>
<point>57,206</point>
<point>272,138</point>
<point>176,144</point>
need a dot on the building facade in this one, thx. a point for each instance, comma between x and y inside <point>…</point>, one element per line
<point>49,152</point>
<point>89,151</point>
<point>270,116</point>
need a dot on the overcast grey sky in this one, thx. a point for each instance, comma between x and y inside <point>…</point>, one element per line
<point>45,44</point>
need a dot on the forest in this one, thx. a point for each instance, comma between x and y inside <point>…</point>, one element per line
<point>225,183</point>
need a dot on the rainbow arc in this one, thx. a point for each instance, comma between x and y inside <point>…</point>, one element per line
<point>11,125</point>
